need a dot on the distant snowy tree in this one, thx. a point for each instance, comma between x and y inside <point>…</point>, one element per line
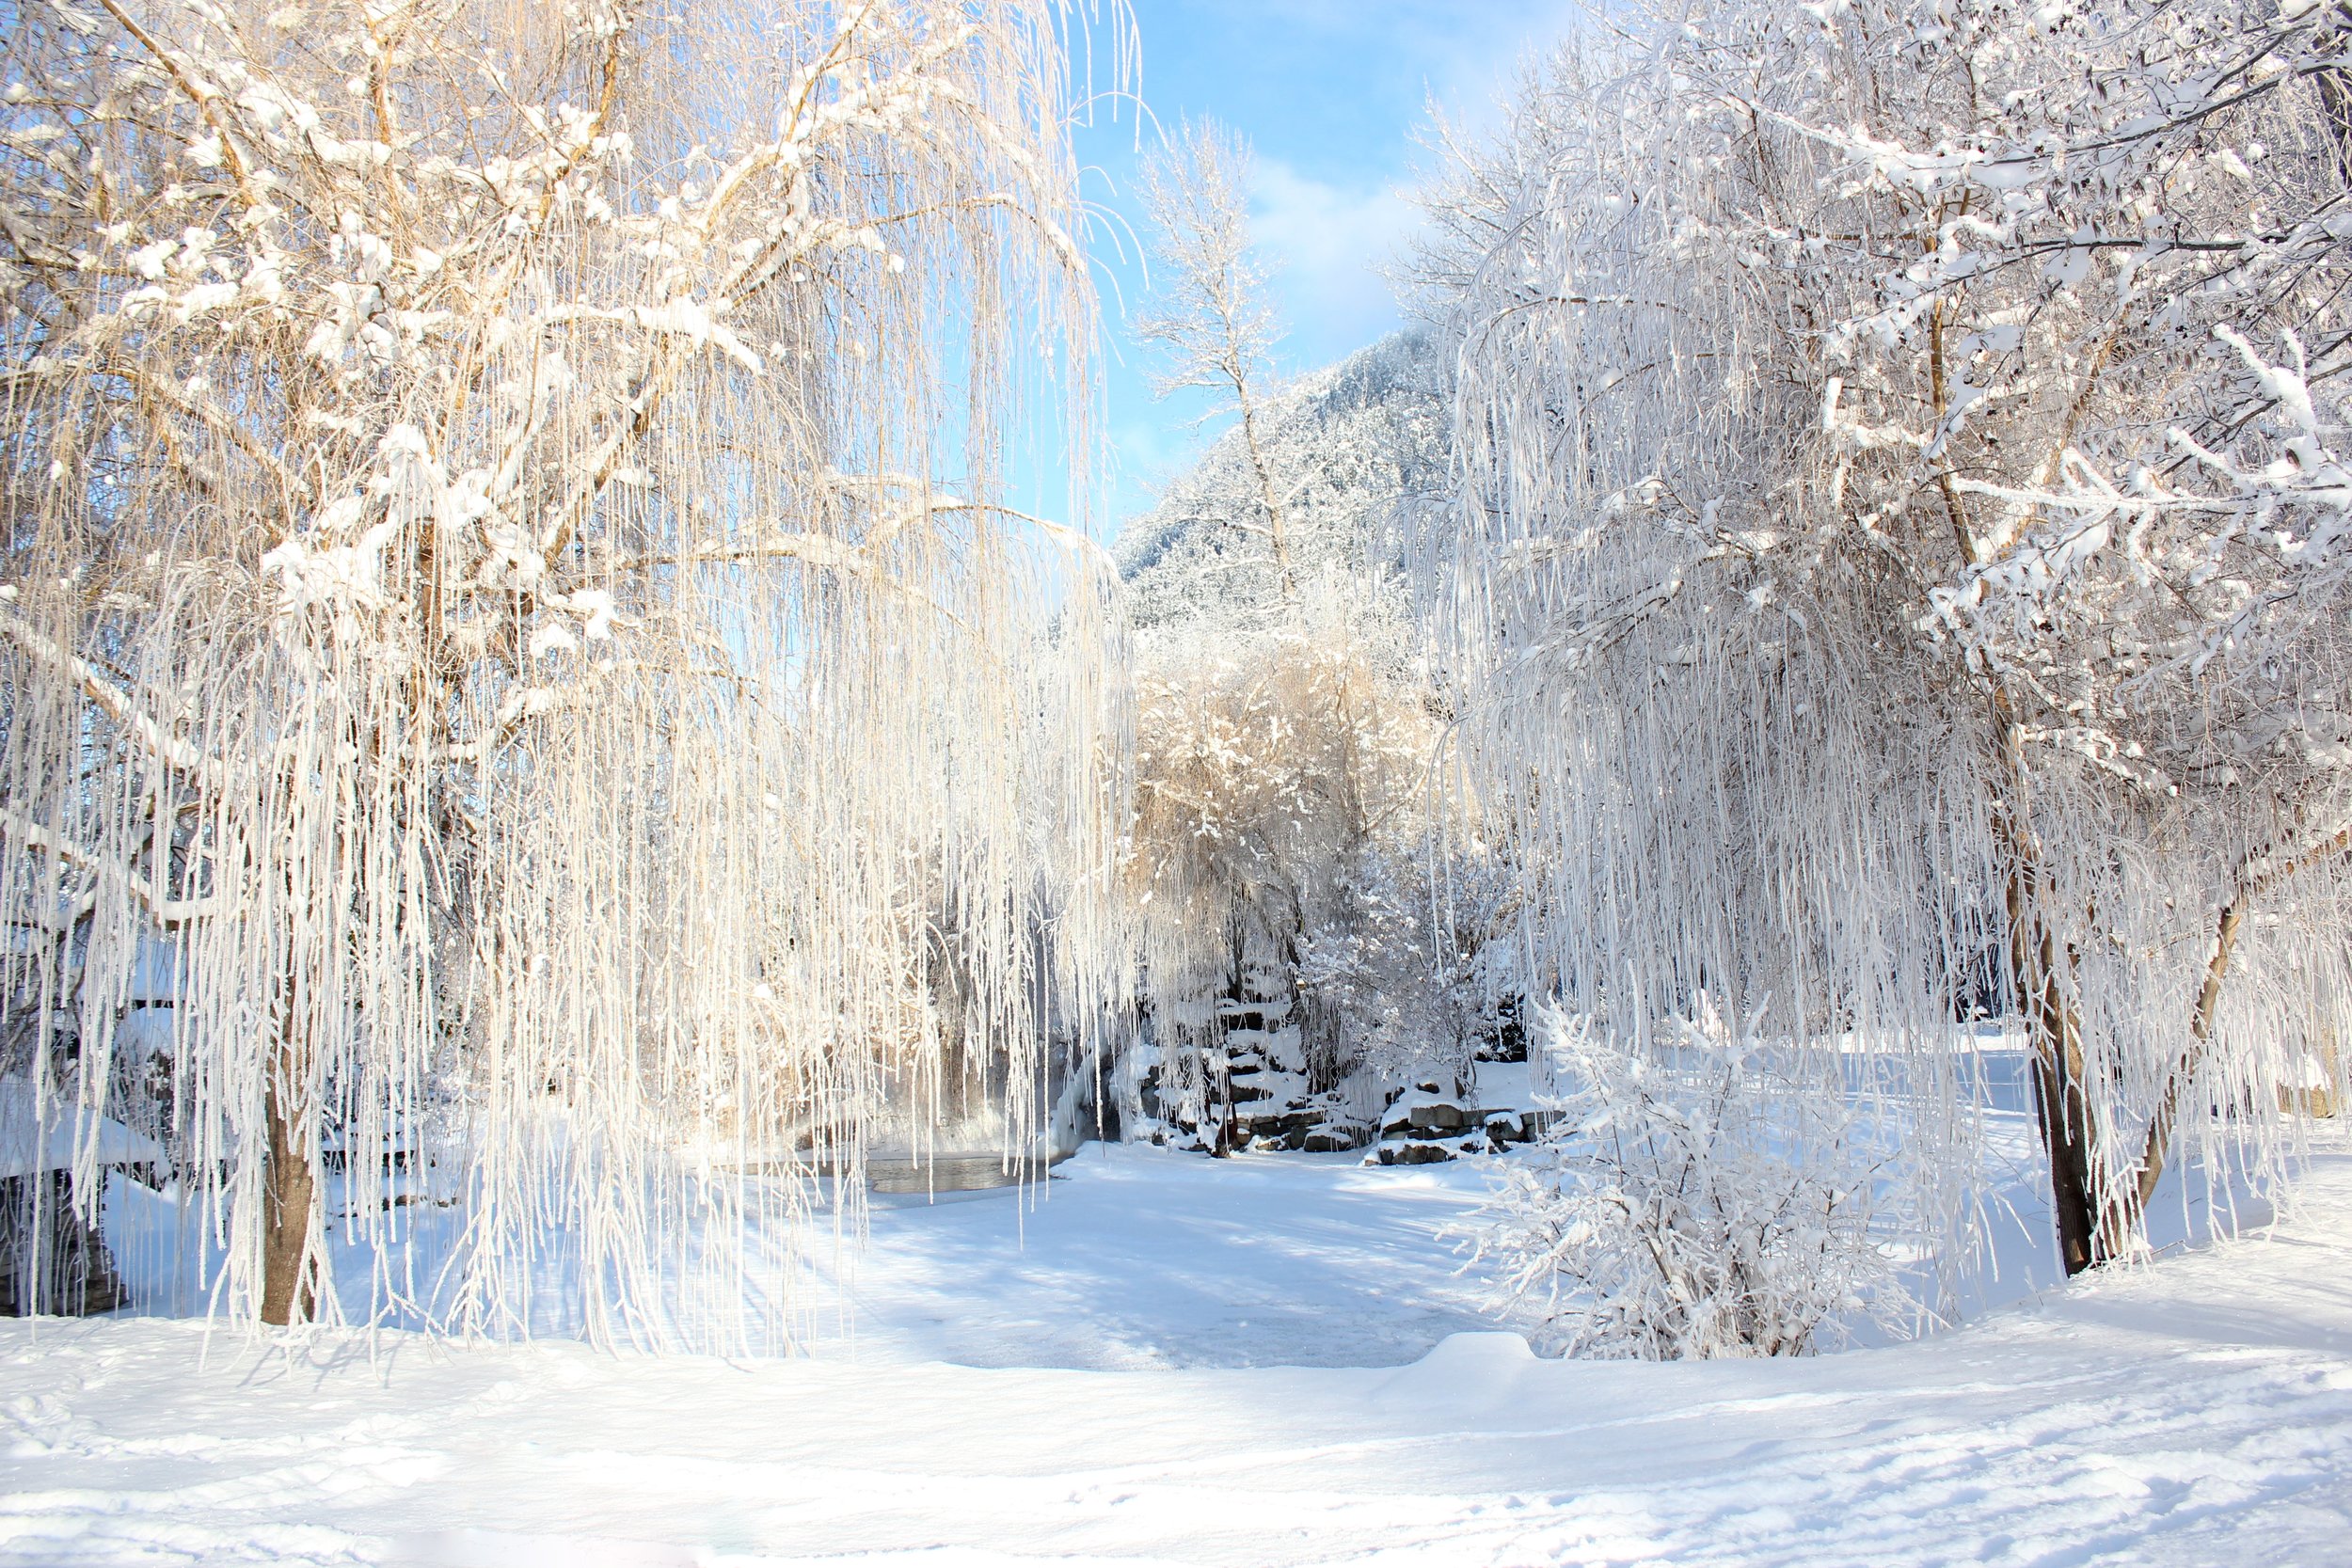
<point>1272,767</point>
<point>1209,316</point>
<point>1686,1203</point>
<point>1294,827</point>
<point>504,582</point>
<point>1902,525</point>
<point>1409,975</point>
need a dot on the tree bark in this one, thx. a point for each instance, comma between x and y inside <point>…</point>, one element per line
<point>2069,1130</point>
<point>289,1292</point>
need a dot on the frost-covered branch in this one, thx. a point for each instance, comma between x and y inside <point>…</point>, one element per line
<point>427,430</point>
<point>1999,355</point>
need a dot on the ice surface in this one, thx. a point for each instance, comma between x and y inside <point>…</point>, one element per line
<point>2197,1411</point>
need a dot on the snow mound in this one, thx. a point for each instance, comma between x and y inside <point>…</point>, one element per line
<point>24,1147</point>
<point>1464,1372</point>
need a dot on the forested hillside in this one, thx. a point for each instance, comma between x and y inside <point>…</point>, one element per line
<point>1362,446</point>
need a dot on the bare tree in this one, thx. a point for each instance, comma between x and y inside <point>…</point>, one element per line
<point>1210,316</point>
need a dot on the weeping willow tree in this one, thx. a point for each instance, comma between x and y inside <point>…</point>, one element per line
<point>1899,553</point>
<point>507,602</point>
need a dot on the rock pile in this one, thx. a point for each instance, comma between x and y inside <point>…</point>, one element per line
<point>1436,1120</point>
<point>1273,1108</point>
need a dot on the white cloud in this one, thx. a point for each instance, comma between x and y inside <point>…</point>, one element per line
<point>1332,244</point>
<point>1336,239</point>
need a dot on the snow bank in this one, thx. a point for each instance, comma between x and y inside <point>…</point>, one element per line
<point>27,1147</point>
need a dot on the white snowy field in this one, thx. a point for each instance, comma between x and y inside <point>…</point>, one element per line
<point>1111,1392</point>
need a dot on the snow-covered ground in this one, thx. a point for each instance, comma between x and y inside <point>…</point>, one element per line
<point>1105,1395</point>
<point>1135,1257</point>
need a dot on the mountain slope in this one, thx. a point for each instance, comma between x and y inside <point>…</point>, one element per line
<point>1351,445</point>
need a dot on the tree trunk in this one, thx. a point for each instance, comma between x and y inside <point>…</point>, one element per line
<point>2090,1228</point>
<point>2068,1130</point>
<point>289,1277</point>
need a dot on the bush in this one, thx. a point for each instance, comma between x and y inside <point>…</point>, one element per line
<point>1709,1199</point>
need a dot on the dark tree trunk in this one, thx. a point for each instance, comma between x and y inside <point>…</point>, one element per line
<point>52,1258</point>
<point>289,1273</point>
<point>2090,1231</point>
<point>2059,1106</point>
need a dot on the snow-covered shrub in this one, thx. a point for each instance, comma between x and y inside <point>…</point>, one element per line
<point>1706,1199</point>
<point>1409,971</point>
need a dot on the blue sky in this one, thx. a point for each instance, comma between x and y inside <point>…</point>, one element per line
<point>1334,94</point>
